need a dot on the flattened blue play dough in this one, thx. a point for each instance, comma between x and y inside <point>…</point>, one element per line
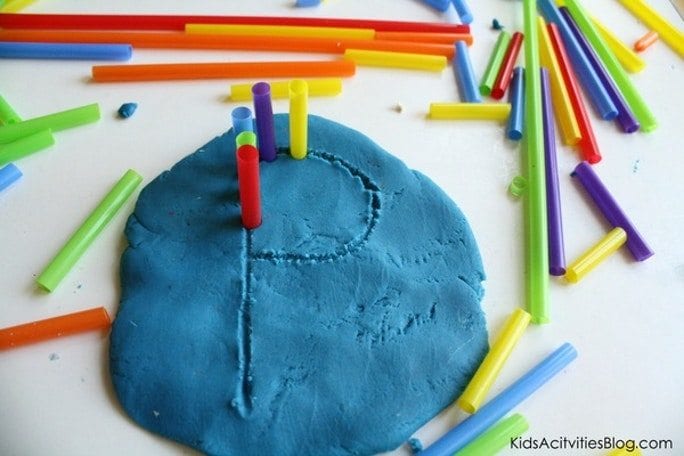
<point>340,326</point>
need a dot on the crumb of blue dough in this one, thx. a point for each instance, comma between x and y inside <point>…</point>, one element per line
<point>127,109</point>
<point>416,445</point>
<point>496,25</point>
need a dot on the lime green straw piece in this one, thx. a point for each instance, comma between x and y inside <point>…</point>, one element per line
<point>497,437</point>
<point>7,114</point>
<point>55,122</point>
<point>246,137</point>
<point>25,146</point>
<point>517,186</point>
<point>537,255</point>
<point>88,231</point>
<point>494,64</point>
<point>632,96</point>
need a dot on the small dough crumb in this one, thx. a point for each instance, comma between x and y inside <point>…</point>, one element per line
<point>416,445</point>
<point>398,108</point>
<point>127,109</point>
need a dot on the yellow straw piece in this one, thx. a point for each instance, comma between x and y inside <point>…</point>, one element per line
<point>14,6</point>
<point>595,255</point>
<point>281,89</point>
<point>299,92</point>
<point>396,60</point>
<point>625,452</point>
<point>668,33</point>
<point>629,60</point>
<point>562,106</point>
<point>470,111</point>
<point>280,31</point>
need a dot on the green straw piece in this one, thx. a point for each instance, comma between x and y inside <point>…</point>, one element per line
<point>537,252</point>
<point>25,146</point>
<point>494,64</point>
<point>7,114</point>
<point>55,122</point>
<point>88,231</point>
<point>246,137</point>
<point>632,96</point>
<point>497,437</point>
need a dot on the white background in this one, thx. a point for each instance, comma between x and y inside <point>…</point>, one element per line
<point>625,318</point>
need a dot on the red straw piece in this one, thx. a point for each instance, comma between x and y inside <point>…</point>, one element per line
<point>503,78</point>
<point>167,22</point>
<point>248,183</point>
<point>65,325</point>
<point>587,144</point>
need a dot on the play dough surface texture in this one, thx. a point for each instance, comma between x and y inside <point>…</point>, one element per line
<point>340,326</point>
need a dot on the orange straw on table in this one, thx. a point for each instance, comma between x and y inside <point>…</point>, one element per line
<point>229,70</point>
<point>417,37</point>
<point>645,41</point>
<point>64,325</point>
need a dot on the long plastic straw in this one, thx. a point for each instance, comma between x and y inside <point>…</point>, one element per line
<point>8,175</point>
<point>466,431</point>
<point>629,92</point>
<point>7,113</point>
<point>628,58</point>
<point>595,255</point>
<point>396,60</point>
<point>469,111</point>
<point>497,56</point>
<point>55,122</point>
<point>79,242</point>
<point>416,37</point>
<point>25,146</point>
<point>281,89</point>
<point>463,70</point>
<point>176,71</point>
<point>497,437</point>
<point>299,118</point>
<point>668,32</point>
<point>14,6</point>
<point>516,97</point>
<point>62,51</point>
<point>503,78</point>
<point>280,31</point>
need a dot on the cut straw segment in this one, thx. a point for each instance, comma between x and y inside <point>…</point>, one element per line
<point>25,146</point>
<point>280,31</point>
<point>328,87</point>
<point>497,56</point>
<point>180,71</point>
<point>8,175</point>
<point>55,122</point>
<point>400,60</point>
<point>95,319</point>
<point>79,242</point>
<point>436,38</point>
<point>628,58</point>
<point>7,113</point>
<point>595,255</point>
<point>497,437</point>
<point>470,111</point>
<point>668,32</point>
<point>64,51</point>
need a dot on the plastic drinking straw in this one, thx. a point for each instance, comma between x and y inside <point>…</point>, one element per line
<point>299,118</point>
<point>583,69</point>
<point>281,89</point>
<point>629,60</point>
<point>65,325</point>
<point>246,137</point>
<point>280,31</point>
<point>595,255</point>
<point>553,200</point>
<point>396,60</point>
<point>9,175</point>
<point>476,391</point>
<point>466,431</point>
<point>463,70</point>
<point>88,231</point>
<point>469,111</point>
<point>668,32</point>
<point>625,119</point>
<point>611,210</point>
<point>463,11</point>
<point>622,80</point>
<point>645,41</point>
<point>537,255</point>
<point>242,120</point>
<point>517,186</point>
<point>562,105</point>
<point>497,437</point>
<point>503,78</point>
<point>516,97</point>
<point>263,111</point>
<point>25,146</point>
<point>56,122</point>
<point>177,22</point>
<point>438,38</point>
<point>14,6</point>
<point>494,64</point>
<point>7,114</point>
<point>439,5</point>
<point>307,3</point>
<point>587,144</point>
<point>62,51</point>
<point>174,71</point>
<point>248,183</point>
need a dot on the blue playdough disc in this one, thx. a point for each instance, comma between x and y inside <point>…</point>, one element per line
<point>340,326</point>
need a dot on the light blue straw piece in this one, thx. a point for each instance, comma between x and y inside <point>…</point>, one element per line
<point>242,120</point>
<point>463,69</point>
<point>8,175</point>
<point>463,11</point>
<point>439,5</point>
<point>516,96</point>
<point>65,51</point>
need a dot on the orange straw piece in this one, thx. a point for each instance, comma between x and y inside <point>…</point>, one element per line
<point>229,70</point>
<point>65,325</point>
<point>417,37</point>
<point>645,41</point>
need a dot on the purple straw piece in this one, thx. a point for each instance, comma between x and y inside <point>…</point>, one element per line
<point>611,211</point>
<point>625,118</point>
<point>263,111</point>
<point>553,203</point>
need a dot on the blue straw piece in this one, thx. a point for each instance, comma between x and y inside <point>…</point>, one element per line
<point>598,95</point>
<point>516,96</point>
<point>439,5</point>
<point>242,120</point>
<point>494,410</point>
<point>307,3</point>
<point>465,76</point>
<point>65,51</point>
<point>463,11</point>
<point>8,175</point>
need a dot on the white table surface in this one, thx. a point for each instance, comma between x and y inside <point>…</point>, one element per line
<point>625,318</point>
